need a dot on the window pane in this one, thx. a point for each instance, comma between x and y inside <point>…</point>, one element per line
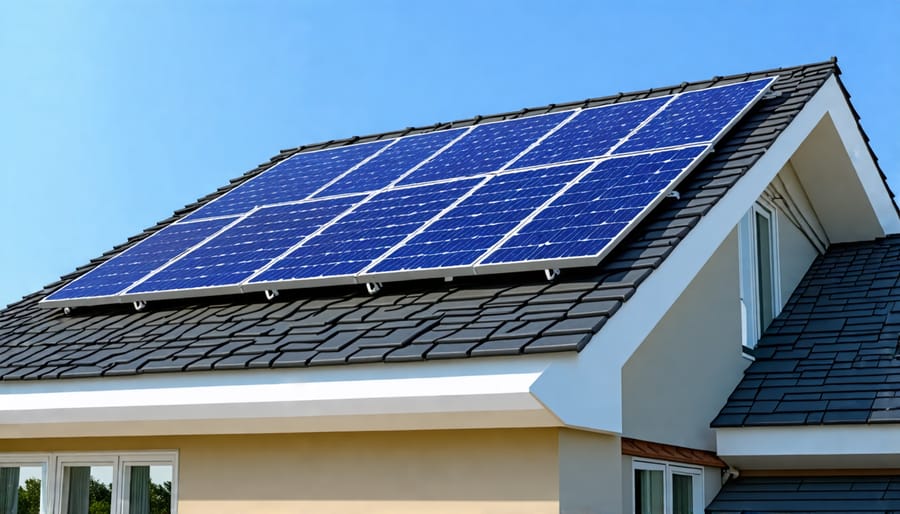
<point>149,489</point>
<point>87,489</point>
<point>682,494</point>
<point>648,491</point>
<point>764,271</point>
<point>20,489</point>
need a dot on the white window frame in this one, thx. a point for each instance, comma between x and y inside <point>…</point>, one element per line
<point>749,272</point>
<point>28,459</point>
<point>668,468</point>
<point>53,465</point>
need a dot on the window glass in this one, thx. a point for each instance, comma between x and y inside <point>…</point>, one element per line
<point>649,491</point>
<point>682,494</point>
<point>87,489</point>
<point>149,489</point>
<point>20,489</point>
<point>764,270</point>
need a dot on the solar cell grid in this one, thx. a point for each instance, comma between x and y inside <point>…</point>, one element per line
<point>292,180</point>
<point>461,235</point>
<point>588,216</point>
<point>479,212</point>
<point>121,271</point>
<point>390,164</point>
<point>486,148</point>
<point>695,117</point>
<point>357,239</point>
<point>237,253</point>
<point>592,133</point>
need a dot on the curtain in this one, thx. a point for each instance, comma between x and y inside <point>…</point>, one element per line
<point>682,494</point>
<point>78,480</point>
<point>9,490</point>
<point>139,490</point>
<point>648,491</point>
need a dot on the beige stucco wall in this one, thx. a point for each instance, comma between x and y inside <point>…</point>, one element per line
<point>682,373</point>
<point>463,471</point>
<point>590,479</point>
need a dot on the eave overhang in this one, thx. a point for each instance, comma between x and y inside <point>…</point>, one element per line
<point>484,393</point>
<point>810,447</point>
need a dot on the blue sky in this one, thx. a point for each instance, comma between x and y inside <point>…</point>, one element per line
<point>113,114</point>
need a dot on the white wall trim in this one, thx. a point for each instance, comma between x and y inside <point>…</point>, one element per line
<point>482,393</point>
<point>809,440</point>
<point>858,151</point>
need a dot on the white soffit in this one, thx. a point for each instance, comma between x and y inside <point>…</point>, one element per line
<point>479,393</point>
<point>849,446</point>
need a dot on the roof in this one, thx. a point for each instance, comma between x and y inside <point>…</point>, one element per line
<point>422,320</point>
<point>799,494</point>
<point>832,356</point>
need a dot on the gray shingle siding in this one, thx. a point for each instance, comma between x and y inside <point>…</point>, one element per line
<point>845,494</point>
<point>832,354</point>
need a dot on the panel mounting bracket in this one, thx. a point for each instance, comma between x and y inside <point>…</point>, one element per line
<point>271,294</point>
<point>67,311</point>
<point>139,305</point>
<point>551,273</point>
<point>373,287</point>
<point>674,194</point>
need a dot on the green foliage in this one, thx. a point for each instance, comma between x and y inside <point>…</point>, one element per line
<point>30,497</point>
<point>100,498</point>
<point>161,498</point>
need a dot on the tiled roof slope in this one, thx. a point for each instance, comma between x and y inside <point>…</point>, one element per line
<point>845,494</point>
<point>503,315</point>
<point>832,355</point>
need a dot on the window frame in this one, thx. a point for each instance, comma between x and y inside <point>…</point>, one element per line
<point>668,469</point>
<point>749,270</point>
<point>33,459</point>
<point>53,466</point>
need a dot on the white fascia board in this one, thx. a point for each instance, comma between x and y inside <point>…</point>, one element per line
<point>469,393</point>
<point>587,393</point>
<point>858,151</point>
<point>810,447</point>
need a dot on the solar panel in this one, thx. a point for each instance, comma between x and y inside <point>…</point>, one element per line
<point>246,247</point>
<point>360,237</point>
<point>124,269</point>
<point>547,191</point>
<point>696,117</point>
<point>389,165</point>
<point>586,218</point>
<point>477,223</point>
<point>486,148</point>
<point>293,179</point>
<point>592,133</point>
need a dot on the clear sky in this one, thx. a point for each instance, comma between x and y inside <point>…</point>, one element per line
<point>113,114</point>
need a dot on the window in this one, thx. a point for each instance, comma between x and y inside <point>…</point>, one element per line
<point>23,481</point>
<point>760,287</point>
<point>95,483</point>
<point>665,488</point>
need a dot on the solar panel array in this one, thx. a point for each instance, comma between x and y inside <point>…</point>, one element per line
<point>548,191</point>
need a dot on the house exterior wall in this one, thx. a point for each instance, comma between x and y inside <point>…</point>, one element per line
<point>682,373</point>
<point>590,477</point>
<point>483,471</point>
<point>795,254</point>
